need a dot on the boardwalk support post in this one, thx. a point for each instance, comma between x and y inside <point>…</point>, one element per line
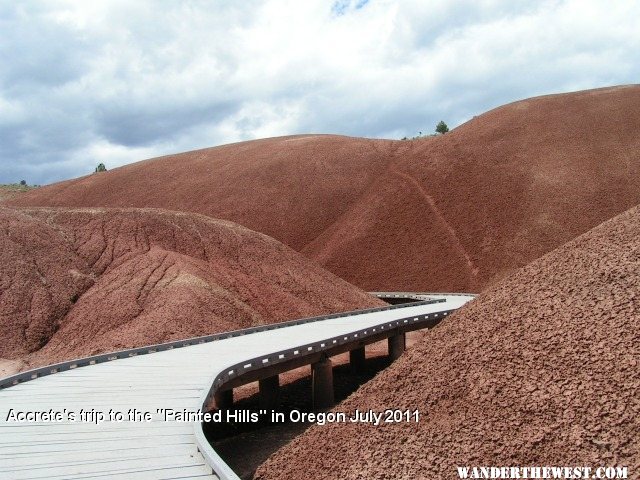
<point>269,392</point>
<point>322,384</point>
<point>397,345</point>
<point>357,360</point>
<point>224,399</point>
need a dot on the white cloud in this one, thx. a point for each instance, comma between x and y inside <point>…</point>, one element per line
<point>116,81</point>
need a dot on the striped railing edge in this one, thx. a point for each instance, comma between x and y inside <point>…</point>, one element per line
<point>420,294</point>
<point>219,466</point>
<point>32,374</point>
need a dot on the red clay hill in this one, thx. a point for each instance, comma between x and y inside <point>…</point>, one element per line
<point>453,212</point>
<point>541,369</point>
<point>76,282</point>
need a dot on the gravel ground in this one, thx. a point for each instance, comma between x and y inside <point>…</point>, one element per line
<point>541,369</point>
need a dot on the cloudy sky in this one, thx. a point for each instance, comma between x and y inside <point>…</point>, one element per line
<point>83,82</point>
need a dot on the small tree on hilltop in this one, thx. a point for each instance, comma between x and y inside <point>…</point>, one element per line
<point>101,168</point>
<point>23,182</point>
<point>441,127</point>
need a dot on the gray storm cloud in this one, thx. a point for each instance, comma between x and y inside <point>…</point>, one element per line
<point>115,82</point>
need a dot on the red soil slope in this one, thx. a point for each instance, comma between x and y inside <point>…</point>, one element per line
<point>79,282</point>
<point>454,212</point>
<point>541,369</point>
<point>290,188</point>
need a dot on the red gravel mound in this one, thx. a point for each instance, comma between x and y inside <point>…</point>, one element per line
<point>453,212</point>
<point>79,282</point>
<point>542,369</point>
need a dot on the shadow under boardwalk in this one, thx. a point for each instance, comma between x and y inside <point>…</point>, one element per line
<point>245,446</point>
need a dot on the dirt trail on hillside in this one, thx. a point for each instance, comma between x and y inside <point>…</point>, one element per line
<point>434,208</point>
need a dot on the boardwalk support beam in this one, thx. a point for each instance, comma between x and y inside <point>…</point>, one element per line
<point>224,399</point>
<point>322,384</point>
<point>269,392</point>
<point>397,344</point>
<point>357,360</point>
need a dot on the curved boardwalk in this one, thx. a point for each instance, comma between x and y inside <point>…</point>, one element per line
<point>181,379</point>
